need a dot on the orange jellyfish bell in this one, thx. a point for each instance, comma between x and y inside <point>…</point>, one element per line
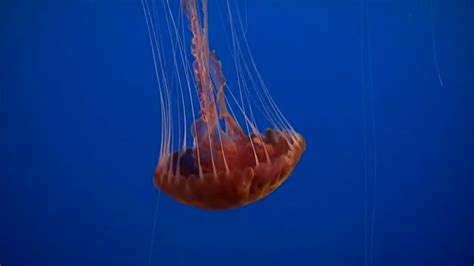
<point>225,165</point>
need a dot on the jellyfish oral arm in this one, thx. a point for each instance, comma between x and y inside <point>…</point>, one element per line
<point>207,66</point>
<point>198,50</point>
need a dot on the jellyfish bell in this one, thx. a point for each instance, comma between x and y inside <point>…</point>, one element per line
<point>235,178</point>
<point>215,162</point>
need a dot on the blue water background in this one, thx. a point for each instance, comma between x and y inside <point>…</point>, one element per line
<point>80,136</point>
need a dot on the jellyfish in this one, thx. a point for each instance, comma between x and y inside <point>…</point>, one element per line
<point>213,155</point>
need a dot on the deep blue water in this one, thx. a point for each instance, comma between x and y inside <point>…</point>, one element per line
<point>80,136</point>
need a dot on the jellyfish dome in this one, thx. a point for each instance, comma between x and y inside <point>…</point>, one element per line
<point>209,158</point>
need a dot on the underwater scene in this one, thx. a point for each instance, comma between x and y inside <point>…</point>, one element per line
<point>237,132</point>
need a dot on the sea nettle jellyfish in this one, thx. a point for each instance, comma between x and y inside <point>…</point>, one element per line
<point>213,155</point>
